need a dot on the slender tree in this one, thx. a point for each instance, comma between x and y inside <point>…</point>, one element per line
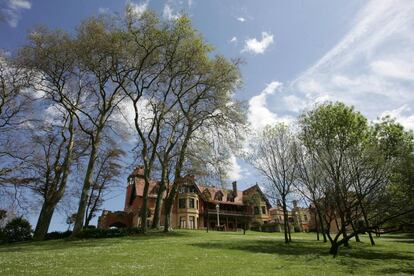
<point>273,153</point>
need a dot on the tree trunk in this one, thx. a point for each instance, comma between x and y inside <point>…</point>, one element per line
<point>317,227</point>
<point>167,221</point>
<point>158,205</point>
<point>334,249</point>
<point>44,220</point>
<point>371,239</point>
<point>80,216</point>
<point>144,206</point>
<point>285,220</point>
<point>321,225</point>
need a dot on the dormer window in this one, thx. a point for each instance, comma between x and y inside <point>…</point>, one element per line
<point>218,196</point>
<point>230,197</point>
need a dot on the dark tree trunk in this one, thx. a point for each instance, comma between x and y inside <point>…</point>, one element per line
<point>158,204</point>
<point>334,249</point>
<point>286,221</point>
<point>157,212</point>
<point>44,220</point>
<point>80,216</point>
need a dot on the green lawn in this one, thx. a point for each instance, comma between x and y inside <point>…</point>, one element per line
<point>213,253</point>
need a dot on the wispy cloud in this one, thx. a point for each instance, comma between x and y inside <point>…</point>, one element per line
<point>168,13</point>
<point>253,45</point>
<point>12,12</point>
<point>371,67</point>
<point>241,19</point>
<point>233,40</point>
<point>103,10</point>
<point>137,9</point>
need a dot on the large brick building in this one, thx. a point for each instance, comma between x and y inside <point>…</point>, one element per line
<point>195,207</point>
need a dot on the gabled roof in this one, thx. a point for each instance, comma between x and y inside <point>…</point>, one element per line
<point>257,188</point>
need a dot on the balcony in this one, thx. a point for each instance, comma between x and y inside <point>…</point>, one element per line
<point>229,213</point>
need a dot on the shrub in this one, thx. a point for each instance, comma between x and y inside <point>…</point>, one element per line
<point>96,233</point>
<point>16,230</point>
<point>56,235</point>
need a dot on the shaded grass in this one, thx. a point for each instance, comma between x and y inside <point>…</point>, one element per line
<point>214,253</point>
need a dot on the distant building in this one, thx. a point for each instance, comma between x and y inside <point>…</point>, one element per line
<point>299,218</point>
<point>195,206</point>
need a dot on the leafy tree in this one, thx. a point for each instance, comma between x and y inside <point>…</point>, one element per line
<point>355,163</point>
<point>17,230</point>
<point>330,133</point>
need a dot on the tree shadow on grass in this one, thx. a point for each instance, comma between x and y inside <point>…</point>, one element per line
<point>400,270</point>
<point>31,246</point>
<point>404,237</point>
<point>300,248</point>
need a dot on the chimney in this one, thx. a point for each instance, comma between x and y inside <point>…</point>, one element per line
<point>234,188</point>
<point>295,203</point>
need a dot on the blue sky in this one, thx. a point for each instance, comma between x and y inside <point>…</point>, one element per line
<point>296,52</point>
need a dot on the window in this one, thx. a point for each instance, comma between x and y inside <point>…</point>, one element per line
<point>305,217</point>
<point>191,203</point>
<point>192,223</point>
<point>263,210</point>
<point>197,203</point>
<point>256,210</point>
<point>230,197</point>
<point>133,195</point>
<point>218,196</point>
<point>181,203</point>
<point>182,222</point>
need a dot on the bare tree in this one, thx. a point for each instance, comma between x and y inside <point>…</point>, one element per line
<point>14,105</point>
<point>50,57</point>
<point>272,153</point>
<point>106,178</point>
<point>101,64</point>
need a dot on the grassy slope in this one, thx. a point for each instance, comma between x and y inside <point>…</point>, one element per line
<point>200,253</point>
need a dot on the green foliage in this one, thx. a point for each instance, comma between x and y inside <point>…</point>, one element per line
<point>96,233</point>
<point>333,126</point>
<point>56,235</point>
<point>17,230</point>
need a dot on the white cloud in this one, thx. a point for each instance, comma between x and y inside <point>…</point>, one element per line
<point>103,10</point>
<point>235,173</point>
<point>233,40</point>
<point>371,67</point>
<point>20,4</point>
<point>404,115</point>
<point>255,46</point>
<point>12,13</point>
<point>259,114</point>
<point>241,19</point>
<point>394,68</point>
<point>168,13</point>
<point>138,9</point>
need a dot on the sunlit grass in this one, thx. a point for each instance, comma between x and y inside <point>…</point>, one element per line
<point>213,253</point>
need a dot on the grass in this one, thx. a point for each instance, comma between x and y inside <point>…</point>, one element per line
<point>214,253</point>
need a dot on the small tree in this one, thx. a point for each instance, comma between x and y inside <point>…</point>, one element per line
<point>272,153</point>
<point>17,229</point>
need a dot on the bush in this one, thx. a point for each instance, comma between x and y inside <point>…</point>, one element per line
<point>17,230</point>
<point>56,235</point>
<point>96,233</point>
